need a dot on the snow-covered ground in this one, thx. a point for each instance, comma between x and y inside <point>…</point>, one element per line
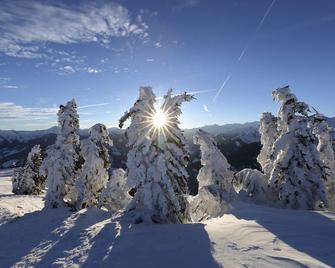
<point>13,206</point>
<point>250,236</point>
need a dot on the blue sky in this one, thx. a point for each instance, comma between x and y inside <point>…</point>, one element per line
<point>101,52</point>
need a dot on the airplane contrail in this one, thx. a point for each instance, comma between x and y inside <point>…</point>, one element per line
<point>201,91</point>
<point>93,105</point>
<point>222,86</point>
<point>246,47</point>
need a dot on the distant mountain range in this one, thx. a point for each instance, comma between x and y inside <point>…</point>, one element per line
<point>248,132</point>
<point>240,143</point>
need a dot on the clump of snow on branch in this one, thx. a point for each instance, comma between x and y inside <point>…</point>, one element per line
<point>215,178</point>
<point>94,175</point>
<point>61,163</point>
<point>27,180</point>
<point>297,178</point>
<point>115,195</point>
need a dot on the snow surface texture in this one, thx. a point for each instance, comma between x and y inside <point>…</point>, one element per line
<point>249,236</point>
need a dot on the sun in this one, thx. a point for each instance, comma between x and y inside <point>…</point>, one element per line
<point>159,119</point>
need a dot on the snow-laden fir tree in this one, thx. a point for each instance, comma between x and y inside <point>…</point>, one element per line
<point>115,195</point>
<point>215,178</point>
<point>252,185</point>
<point>27,180</point>
<point>297,178</point>
<point>93,175</point>
<point>61,163</point>
<point>324,132</point>
<point>155,199</point>
<point>269,134</point>
<point>176,153</point>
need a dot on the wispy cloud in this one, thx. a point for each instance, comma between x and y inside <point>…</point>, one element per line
<point>27,27</point>
<point>150,60</point>
<point>92,70</point>
<point>67,69</point>
<point>9,86</point>
<point>6,83</point>
<point>205,107</point>
<point>158,45</point>
<point>12,111</point>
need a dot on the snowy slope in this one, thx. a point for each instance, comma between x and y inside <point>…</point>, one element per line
<point>13,206</point>
<point>250,236</point>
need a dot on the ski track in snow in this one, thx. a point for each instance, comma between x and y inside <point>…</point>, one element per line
<point>249,236</point>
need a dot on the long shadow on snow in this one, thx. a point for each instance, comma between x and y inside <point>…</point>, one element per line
<point>176,245</point>
<point>39,238</point>
<point>20,236</point>
<point>306,231</point>
<point>73,241</point>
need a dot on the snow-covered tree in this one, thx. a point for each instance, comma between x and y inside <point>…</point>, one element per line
<point>27,180</point>
<point>93,175</point>
<point>269,134</point>
<point>252,185</point>
<point>115,195</point>
<point>323,132</point>
<point>215,180</point>
<point>297,178</point>
<point>155,199</point>
<point>62,159</point>
<point>176,153</point>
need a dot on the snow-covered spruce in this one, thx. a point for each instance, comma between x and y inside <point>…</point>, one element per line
<point>176,153</point>
<point>215,181</point>
<point>297,178</point>
<point>155,199</point>
<point>93,175</point>
<point>269,133</point>
<point>252,185</point>
<point>27,180</point>
<point>323,132</point>
<point>62,159</point>
<point>115,194</point>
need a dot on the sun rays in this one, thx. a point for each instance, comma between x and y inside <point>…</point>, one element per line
<point>159,123</point>
<point>159,118</point>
